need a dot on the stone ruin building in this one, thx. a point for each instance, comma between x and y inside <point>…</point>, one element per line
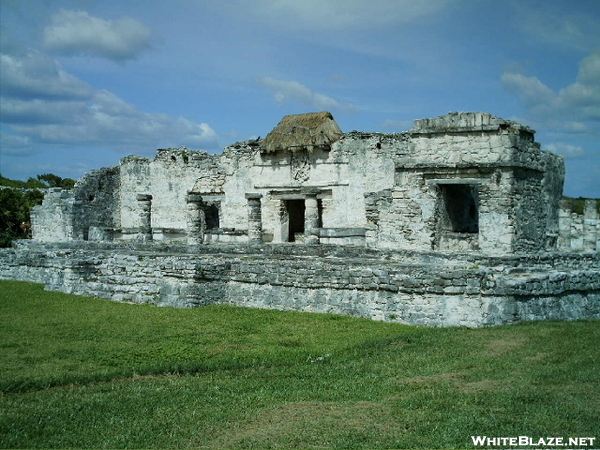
<point>459,221</point>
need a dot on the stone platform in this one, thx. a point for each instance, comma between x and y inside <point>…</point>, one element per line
<point>421,288</point>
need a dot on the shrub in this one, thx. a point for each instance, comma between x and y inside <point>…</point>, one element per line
<point>15,206</point>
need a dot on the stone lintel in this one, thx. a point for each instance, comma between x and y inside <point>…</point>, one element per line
<point>322,185</point>
<point>310,191</point>
<point>193,197</point>
<point>253,196</point>
<point>458,181</point>
<point>143,197</point>
<point>211,195</point>
<point>297,194</point>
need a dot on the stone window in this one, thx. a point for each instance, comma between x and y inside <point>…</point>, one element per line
<point>460,208</point>
<point>211,214</point>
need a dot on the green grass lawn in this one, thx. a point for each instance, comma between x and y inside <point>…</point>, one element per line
<point>80,372</point>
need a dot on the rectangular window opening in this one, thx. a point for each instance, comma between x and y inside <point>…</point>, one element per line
<point>211,215</point>
<point>460,208</point>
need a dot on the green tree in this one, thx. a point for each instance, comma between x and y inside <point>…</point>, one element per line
<point>43,181</point>
<point>31,183</point>
<point>19,198</point>
<point>56,181</point>
<point>15,207</point>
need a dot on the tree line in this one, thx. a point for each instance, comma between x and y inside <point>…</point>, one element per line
<point>16,200</point>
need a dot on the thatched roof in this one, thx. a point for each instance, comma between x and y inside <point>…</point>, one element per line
<point>303,131</point>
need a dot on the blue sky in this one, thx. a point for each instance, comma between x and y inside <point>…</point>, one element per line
<point>84,83</point>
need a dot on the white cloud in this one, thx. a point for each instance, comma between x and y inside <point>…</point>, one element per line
<point>284,91</point>
<point>559,24</point>
<point>585,92</point>
<point>40,111</point>
<point>35,75</point>
<point>333,14</point>
<point>531,90</point>
<point>566,126</point>
<point>566,150</point>
<point>76,33</point>
<point>15,145</point>
<point>575,108</point>
<point>108,119</point>
<point>41,102</point>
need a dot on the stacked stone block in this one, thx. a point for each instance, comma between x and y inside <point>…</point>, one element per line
<point>59,218</point>
<point>408,288</point>
<point>412,216</point>
<point>590,226</point>
<point>579,230</point>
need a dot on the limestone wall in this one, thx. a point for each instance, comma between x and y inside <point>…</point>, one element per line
<point>98,193</point>
<point>339,177</point>
<point>516,184</point>
<point>240,165</point>
<point>405,215</point>
<point>167,178</point>
<point>463,182</point>
<point>452,223</point>
<point>476,139</point>
<point>529,213</point>
<point>426,289</point>
<point>579,225</point>
<point>59,218</point>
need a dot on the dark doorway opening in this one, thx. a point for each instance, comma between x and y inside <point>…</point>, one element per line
<point>211,214</point>
<point>460,208</point>
<point>320,212</point>
<point>295,210</point>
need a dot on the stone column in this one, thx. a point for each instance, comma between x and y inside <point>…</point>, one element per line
<point>564,226</point>
<point>254,219</point>
<point>311,216</point>
<point>196,219</point>
<point>590,225</point>
<point>145,204</point>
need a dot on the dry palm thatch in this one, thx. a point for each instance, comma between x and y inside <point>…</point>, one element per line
<point>303,131</point>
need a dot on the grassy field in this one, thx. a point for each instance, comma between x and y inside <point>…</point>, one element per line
<point>79,372</point>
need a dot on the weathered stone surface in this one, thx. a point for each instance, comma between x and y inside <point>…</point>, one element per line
<point>579,230</point>
<point>409,287</point>
<point>412,190</point>
<point>59,218</point>
<point>456,222</point>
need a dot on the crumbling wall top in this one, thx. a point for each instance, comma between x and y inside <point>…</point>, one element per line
<point>243,148</point>
<point>468,121</point>
<point>134,159</point>
<point>181,155</point>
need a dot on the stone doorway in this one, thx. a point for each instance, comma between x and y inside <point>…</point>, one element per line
<point>295,213</point>
<point>458,220</point>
